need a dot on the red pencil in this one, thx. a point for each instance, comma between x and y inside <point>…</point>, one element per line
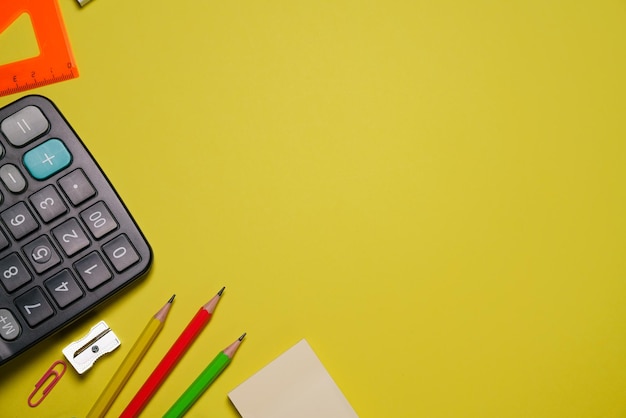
<point>176,351</point>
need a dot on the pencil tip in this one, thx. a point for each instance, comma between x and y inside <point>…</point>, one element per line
<point>172,298</point>
<point>221,291</point>
<point>242,336</point>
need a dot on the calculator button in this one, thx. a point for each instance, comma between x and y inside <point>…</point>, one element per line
<point>71,237</point>
<point>48,203</point>
<point>41,254</point>
<point>12,178</point>
<point>34,306</point>
<point>76,186</point>
<point>121,253</point>
<point>13,272</point>
<point>9,327</point>
<point>92,270</point>
<point>63,288</point>
<point>24,126</point>
<point>99,220</point>
<point>19,220</point>
<point>47,159</point>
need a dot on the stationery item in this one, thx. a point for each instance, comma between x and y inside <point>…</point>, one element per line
<point>100,340</point>
<point>171,358</point>
<point>204,380</point>
<point>55,61</point>
<point>67,241</point>
<point>131,362</point>
<point>54,374</point>
<point>296,384</point>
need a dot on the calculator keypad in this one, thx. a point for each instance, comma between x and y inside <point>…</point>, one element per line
<point>71,237</point>
<point>48,203</point>
<point>19,220</point>
<point>67,241</point>
<point>12,178</point>
<point>24,125</point>
<point>99,220</point>
<point>47,159</point>
<point>41,254</point>
<point>76,187</point>
<point>92,270</point>
<point>120,253</point>
<point>63,288</point>
<point>13,272</point>
<point>34,306</point>
<point>9,327</point>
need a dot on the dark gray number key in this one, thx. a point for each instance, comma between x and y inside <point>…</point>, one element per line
<point>41,254</point>
<point>13,273</point>
<point>19,220</point>
<point>63,288</point>
<point>48,203</point>
<point>92,270</point>
<point>121,253</point>
<point>71,237</point>
<point>99,220</point>
<point>34,307</point>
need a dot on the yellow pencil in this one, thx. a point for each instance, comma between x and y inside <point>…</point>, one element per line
<point>131,361</point>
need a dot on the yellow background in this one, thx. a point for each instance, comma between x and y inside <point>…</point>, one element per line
<point>432,193</point>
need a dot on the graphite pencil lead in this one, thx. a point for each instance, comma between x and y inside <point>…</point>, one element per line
<point>242,336</point>
<point>172,298</point>
<point>221,291</point>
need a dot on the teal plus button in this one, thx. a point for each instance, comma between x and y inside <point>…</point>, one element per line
<point>47,159</point>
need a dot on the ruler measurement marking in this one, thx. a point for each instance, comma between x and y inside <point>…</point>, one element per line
<point>55,58</point>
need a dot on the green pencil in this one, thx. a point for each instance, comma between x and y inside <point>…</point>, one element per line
<point>203,381</point>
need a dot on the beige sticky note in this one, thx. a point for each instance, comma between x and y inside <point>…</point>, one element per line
<point>296,384</point>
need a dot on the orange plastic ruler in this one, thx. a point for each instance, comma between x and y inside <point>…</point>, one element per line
<point>55,61</point>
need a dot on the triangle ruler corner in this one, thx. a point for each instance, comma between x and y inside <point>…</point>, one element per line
<point>55,61</point>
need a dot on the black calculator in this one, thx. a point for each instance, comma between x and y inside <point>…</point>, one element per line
<point>67,241</point>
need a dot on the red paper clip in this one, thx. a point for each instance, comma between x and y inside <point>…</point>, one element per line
<point>50,373</point>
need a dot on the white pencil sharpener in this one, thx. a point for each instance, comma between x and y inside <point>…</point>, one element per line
<point>100,340</point>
